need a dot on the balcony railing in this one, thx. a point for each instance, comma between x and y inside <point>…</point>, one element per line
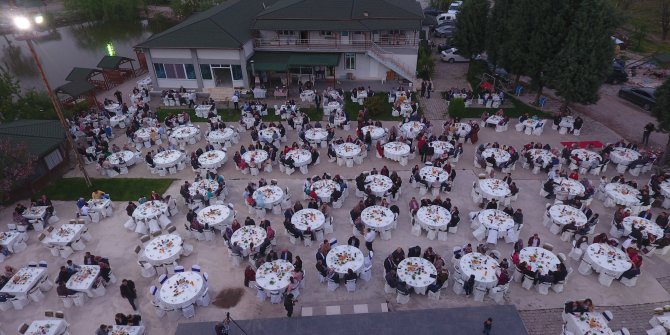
<point>292,43</point>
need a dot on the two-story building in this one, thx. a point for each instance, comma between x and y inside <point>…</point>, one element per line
<point>270,41</point>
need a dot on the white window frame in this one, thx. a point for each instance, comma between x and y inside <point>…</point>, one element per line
<point>53,159</point>
<point>350,61</point>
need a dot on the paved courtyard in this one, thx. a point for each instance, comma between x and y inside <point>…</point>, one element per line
<point>540,313</point>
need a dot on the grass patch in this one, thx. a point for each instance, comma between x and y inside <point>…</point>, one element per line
<point>232,115</point>
<point>122,189</point>
<point>352,108</point>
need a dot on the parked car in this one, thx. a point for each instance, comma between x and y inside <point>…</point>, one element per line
<point>444,31</point>
<point>446,17</point>
<point>455,7</point>
<point>452,55</point>
<point>432,11</point>
<point>641,96</point>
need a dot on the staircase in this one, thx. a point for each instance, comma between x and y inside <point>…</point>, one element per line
<point>385,57</point>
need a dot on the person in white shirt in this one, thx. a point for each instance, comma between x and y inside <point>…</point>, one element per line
<point>627,243</point>
<point>369,238</point>
<point>551,174</point>
<point>84,210</point>
<point>236,101</point>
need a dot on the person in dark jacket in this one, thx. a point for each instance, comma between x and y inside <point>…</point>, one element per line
<point>128,292</point>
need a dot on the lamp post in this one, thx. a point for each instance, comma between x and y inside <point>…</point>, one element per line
<point>25,24</point>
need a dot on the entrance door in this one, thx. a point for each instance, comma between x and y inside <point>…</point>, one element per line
<point>223,77</point>
<point>304,37</point>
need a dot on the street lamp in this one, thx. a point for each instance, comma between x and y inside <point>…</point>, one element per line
<point>24,24</point>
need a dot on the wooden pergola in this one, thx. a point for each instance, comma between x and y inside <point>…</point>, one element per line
<point>93,76</point>
<point>115,69</point>
<point>77,91</point>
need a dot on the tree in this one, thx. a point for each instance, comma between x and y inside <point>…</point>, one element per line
<point>582,65</point>
<point>425,65</point>
<point>497,29</point>
<point>15,105</point>
<point>440,4</point>
<point>106,10</point>
<point>471,22</point>
<point>16,165</point>
<point>184,8</point>
<point>665,18</point>
<point>512,50</point>
<point>661,111</point>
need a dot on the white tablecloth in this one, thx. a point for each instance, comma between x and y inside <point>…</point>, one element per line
<point>23,280</point>
<point>308,218</point>
<point>275,275</point>
<point>35,212</point>
<point>150,210</point>
<point>100,205</point>
<point>500,155</point>
<point>127,330</point>
<point>375,132</point>
<point>184,133</point>
<point>377,217</point>
<point>212,159</point>
<point>441,147</point>
<point>545,156</point>
<point>316,135</point>
<point>531,123</point>
<point>203,110</point>
<point>379,184</point>
<point>494,119</point>
<point>324,188</point>
<point>215,215</point>
<point>622,194</point>
<point>127,156</point>
<point>395,150</point>
<point>567,122</point>
<point>116,119</point>
<point>144,133</point>
<point>411,129</point>
<point>665,188</point>
<point>623,156</point>
<point>433,217</point>
<point>570,186</point>
<point>346,150</point>
<point>268,133</point>
<point>344,257</point>
<point>539,259</point>
<point>47,327</point>
<point>416,272</point>
<point>168,158</point>
<point>8,239</point>
<point>483,267</point>
<point>433,174</point>
<point>247,235</point>
<point>588,324</point>
<point>258,156</point>
<point>273,194</point>
<point>65,234</point>
<point>462,129</point>
<point>638,222</point>
<point>221,136</point>
<point>163,249</point>
<point>202,186</point>
<point>83,279</point>
<point>586,156</point>
<point>564,214</point>
<point>495,219</point>
<point>605,257</point>
<point>300,157</point>
<point>182,289</point>
<point>494,189</point>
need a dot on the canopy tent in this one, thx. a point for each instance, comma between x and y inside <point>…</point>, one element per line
<point>113,70</point>
<point>89,75</point>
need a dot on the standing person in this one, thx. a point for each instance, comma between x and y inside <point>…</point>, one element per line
<point>236,101</point>
<point>429,88</point>
<point>488,324</point>
<point>289,302</point>
<point>647,131</point>
<point>119,97</point>
<point>223,328</point>
<point>423,88</point>
<point>369,238</point>
<point>128,292</point>
<point>317,101</point>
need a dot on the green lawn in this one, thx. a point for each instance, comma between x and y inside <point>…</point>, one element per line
<point>231,115</point>
<point>352,108</point>
<point>124,189</point>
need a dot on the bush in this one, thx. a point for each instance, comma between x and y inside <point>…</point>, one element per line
<point>457,108</point>
<point>376,105</point>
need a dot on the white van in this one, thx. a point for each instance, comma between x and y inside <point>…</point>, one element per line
<point>446,17</point>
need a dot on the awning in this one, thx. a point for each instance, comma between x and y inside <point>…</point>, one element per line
<point>81,74</point>
<point>113,62</point>
<point>76,89</point>
<point>281,61</point>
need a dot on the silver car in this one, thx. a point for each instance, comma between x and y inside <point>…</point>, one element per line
<point>452,55</point>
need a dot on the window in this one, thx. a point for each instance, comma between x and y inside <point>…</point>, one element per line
<point>205,71</point>
<point>326,33</point>
<point>53,159</point>
<point>174,71</point>
<point>284,32</point>
<point>350,61</point>
<point>237,72</point>
<point>344,33</point>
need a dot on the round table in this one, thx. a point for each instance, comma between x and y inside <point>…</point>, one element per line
<point>602,256</point>
<point>221,136</point>
<point>308,218</point>
<point>182,289</point>
<point>433,174</point>
<point>324,188</point>
<point>125,156</point>
<point>347,150</point>
<point>396,150</point>
<point>462,129</point>
<point>163,249</point>
<point>377,217</point>
<point>272,194</point>
<point>215,215</point>
<point>494,120</point>
<point>379,184</point>
<point>150,210</point>
<point>545,156</point>
<point>586,156</point>
<point>144,134</point>
<point>494,189</point>
<point>344,257</point>
<point>638,222</point>
<point>258,156</point>
<point>411,128</point>
<point>116,120</point>
<point>212,159</point>
<point>247,235</point>
<point>441,147</point>
<point>564,214</point>
<point>375,132</point>
<point>623,155</point>
<point>539,259</point>
<point>495,219</point>
<point>300,157</point>
<point>622,194</point>
<point>316,135</point>
<point>184,133</point>
<point>501,156</point>
<point>530,123</point>
<point>202,186</point>
<point>433,217</point>
<point>248,121</point>
<point>568,186</point>
<point>275,275</point>
<point>417,272</point>
<point>482,267</point>
<point>267,134</point>
<point>168,158</point>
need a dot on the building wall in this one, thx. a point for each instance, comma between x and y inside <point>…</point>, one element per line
<point>366,68</point>
<point>170,53</point>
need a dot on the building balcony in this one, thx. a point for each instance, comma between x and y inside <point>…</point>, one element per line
<point>289,43</point>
